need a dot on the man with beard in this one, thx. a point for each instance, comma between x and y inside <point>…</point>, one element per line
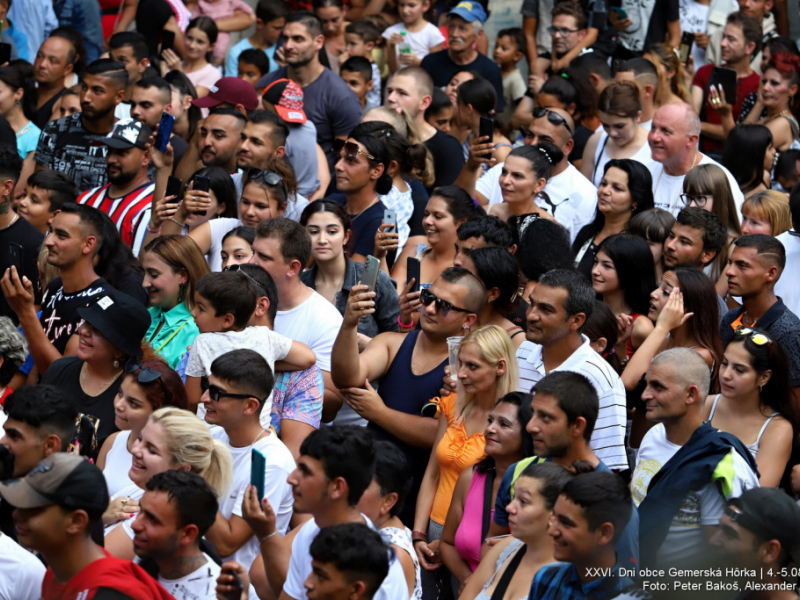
<point>67,145</point>
<point>152,96</point>
<point>177,510</point>
<point>560,305</point>
<point>464,23</point>
<point>128,195</point>
<point>327,101</point>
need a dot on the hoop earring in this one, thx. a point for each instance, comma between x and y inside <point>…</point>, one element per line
<point>180,293</point>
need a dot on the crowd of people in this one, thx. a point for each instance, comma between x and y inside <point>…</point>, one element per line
<point>325,300</point>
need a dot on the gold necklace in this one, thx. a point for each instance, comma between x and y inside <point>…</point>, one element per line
<point>783,113</point>
<point>102,387</point>
<point>694,164</point>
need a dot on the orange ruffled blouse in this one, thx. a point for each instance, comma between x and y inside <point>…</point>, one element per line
<point>456,451</point>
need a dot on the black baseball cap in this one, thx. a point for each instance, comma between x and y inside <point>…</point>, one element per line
<point>771,514</point>
<point>127,133</point>
<point>64,479</point>
<point>120,319</point>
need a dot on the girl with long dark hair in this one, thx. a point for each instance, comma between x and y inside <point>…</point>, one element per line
<point>18,107</point>
<point>477,98</point>
<point>747,151</point>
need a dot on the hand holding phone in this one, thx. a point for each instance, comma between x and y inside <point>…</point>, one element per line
<point>201,184</point>
<point>174,188</point>
<point>687,41</point>
<point>486,129</point>
<point>164,132</point>
<point>258,467</point>
<point>413,272</point>
<point>370,275</point>
<point>232,581</point>
<point>390,216</point>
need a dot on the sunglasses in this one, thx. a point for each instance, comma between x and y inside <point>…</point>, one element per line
<point>238,269</point>
<point>216,394</point>
<point>553,117</point>
<point>351,149</point>
<point>758,338</point>
<point>269,177</point>
<point>146,374</point>
<point>442,306</point>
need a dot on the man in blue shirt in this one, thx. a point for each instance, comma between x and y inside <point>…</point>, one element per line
<point>588,519</point>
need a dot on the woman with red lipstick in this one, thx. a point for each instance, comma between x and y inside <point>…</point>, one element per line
<point>143,391</point>
<point>755,401</point>
<point>173,264</point>
<point>467,519</point>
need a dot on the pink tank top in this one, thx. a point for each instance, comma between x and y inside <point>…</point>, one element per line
<point>468,535</point>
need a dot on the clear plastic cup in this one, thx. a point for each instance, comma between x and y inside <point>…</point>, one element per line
<point>453,344</point>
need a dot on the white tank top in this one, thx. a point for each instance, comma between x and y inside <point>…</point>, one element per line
<point>753,448</point>
<point>601,158</point>
<point>118,463</point>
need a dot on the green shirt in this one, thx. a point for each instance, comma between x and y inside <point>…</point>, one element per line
<point>177,332</point>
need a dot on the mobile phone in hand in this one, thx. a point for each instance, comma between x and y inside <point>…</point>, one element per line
<point>258,467</point>
<point>370,275</point>
<point>201,184</point>
<point>236,588</point>
<point>687,41</point>
<point>15,257</point>
<point>5,53</point>
<point>412,271</point>
<point>167,40</point>
<point>486,129</point>
<point>390,216</point>
<point>727,79</point>
<point>174,187</point>
<point>165,126</point>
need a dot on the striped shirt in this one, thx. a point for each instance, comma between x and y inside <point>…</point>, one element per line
<point>130,213</point>
<point>608,437</point>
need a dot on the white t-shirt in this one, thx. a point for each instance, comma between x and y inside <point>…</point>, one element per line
<point>209,346</point>
<point>574,196</point>
<point>421,41</point>
<point>668,188</point>
<point>704,507</point>
<point>316,323</point>
<point>394,587</point>
<point>403,205</point>
<point>21,573</point>
<point>197,585</point>
<point>788,286</point>
<point>118,463</point>
<point>694,19</point>
<point>279,464</point>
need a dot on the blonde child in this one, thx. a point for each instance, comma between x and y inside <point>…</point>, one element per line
<point>229,15</point>
<point>413,38</point>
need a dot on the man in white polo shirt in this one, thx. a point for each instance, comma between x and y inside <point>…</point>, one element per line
<point>560,304</point>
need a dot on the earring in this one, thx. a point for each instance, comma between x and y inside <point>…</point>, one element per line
<point>180,293</point>
<point>116,363</point>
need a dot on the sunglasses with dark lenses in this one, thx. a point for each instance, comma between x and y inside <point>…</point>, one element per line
<point>758,338</point>
<point>270,177</point>
<point>216,394</point>
<point>239,269</point>
<point>145,375</point>
<point>442,306</point>
<point>351,149</point>
<point>553,117</point>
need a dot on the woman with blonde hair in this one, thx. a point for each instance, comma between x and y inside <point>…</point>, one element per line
<point>620,112</point>
<point>173,264</point>
<point>766,212</point>
<point>487,370</point>
<point>671,85</point>
<point>172,440</point>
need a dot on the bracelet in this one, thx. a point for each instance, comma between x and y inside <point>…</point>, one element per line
<point>154,230</point>
<point>266,537</point>
<point>174,220</point>
<point>406,326</point>
<point>422,533</point>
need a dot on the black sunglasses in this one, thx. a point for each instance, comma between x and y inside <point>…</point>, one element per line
<point>351,149</point>
<point>270,177</point>
<point>238,269</point>
<point>145,375</point>
<point>553,117</point>
<point>442,306</point>
<point>216,393</point>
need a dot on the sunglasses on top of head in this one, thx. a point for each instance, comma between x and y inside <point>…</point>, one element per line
<point>553,117</point>
<point>351,149</point>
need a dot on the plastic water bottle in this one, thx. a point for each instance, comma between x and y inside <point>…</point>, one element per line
<point>405,46</point>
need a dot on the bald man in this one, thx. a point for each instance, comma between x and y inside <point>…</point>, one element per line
<point>673,143</point>
<point>572,197</point>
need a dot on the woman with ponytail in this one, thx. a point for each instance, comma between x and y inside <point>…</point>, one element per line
<point>18,107</point>
<point>475,99</point>
<point>172,440</point>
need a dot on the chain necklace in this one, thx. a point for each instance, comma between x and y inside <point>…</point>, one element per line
<point>354,217</point>
<point>783,113</point>
<point>694,164</point>
<point>102,387</point>
<point>260,433</point>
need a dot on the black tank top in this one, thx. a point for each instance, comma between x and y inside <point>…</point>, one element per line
<point>403,391</point>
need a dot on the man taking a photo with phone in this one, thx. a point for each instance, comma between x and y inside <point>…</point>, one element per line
<point>741,39</point>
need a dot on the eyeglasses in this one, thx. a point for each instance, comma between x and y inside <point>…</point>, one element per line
<point>758,338</point>
<point>699,201</point>
<point>270,177</point>
<point>442,306</point>
<point>552,116</point>
<point>216,394</point>
<point>561,31</point>
<point>351,149</point>
<point>238,269</point>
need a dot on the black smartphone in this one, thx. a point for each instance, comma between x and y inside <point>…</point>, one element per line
<point>5,53</point>
<point>236,588</point>
<point>15,257</point>
<point>167,40</point>
<point>174,188</point>
<point>370,275</point>
<point>486,129</point>
<point>258,468</point>
<point>165,126</point>
<point>687,41</point>
<point>202,184</point>
<point>412,271</point>
<point>725,77</point>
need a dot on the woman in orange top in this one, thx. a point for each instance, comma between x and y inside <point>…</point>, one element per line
<point>487,370</point>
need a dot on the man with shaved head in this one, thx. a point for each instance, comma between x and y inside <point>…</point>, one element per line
<point>410,367</point>
<point>699,468</point>
<point>571,198</point>
<point>673,141</point>
<point>411,89</point>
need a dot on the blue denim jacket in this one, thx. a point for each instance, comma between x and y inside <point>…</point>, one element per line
<point>387,303</point>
